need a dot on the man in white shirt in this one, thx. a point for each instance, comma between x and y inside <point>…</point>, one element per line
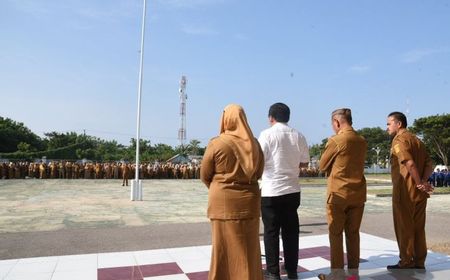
<point>285,151</point>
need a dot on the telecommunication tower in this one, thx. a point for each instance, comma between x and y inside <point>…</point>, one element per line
<point>183,97</point>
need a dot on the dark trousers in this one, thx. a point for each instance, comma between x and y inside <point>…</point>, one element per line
<point>280,212</point>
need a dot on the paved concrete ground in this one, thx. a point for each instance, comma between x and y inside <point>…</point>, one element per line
<point>60,217</point>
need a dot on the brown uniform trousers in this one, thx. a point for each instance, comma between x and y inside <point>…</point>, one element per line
<point>343,160</point>
<point>409,203</point>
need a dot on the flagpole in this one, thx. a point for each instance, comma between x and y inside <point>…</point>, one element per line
<point>136,186</point>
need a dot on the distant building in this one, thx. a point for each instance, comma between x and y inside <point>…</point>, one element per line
<point>179,158</point>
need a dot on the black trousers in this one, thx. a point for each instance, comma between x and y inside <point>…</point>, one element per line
<point>280,212</point>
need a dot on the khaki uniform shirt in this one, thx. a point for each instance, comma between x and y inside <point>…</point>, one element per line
<point>406,146</point>
<point>343,160</point>
<point>231,195</point>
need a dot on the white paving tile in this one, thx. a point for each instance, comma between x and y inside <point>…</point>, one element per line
<point>368,273</point>
<point>53,259</point>
<point>314,263</point>
<point>189,266</point>
<point>313,241</point>
<point>378,255</point>
<point>369,265</point>
<point>35,267</point>
<point>207,250</point>
<point>73,264</point>
<point>79,257</point>
<point>9,262</point>
<point>186,253</point>
<point>5,268</point>
<point>116,259</point>
<point>153,257</point>
<point>24,275</point>
<point>169,277</point>
<point>436,258</point>
<point>439,267</point>
<point>84,274</point>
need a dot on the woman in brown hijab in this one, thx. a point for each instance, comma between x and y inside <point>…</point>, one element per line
<point>232,164</point>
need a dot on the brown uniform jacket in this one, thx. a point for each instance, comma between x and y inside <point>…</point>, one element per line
<point>343,160</point>
<point>406,146</point>
<point>231,195</point>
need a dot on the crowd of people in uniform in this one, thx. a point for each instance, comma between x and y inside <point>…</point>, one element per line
<point>97,170</point>
<point>108,170</point>
<point>440,178</point>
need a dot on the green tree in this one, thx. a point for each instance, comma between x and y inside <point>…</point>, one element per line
<point>65,145</point>
<point>317,149</point>
<point>144,149</point>
<point>13,133</point>
<point>193,147</point>
<point>377,139</point>
<point>435,133</point>
<point>163,152</point>
<point>23,147</point>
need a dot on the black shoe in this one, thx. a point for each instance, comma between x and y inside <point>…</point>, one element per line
<point>271,276</point>
<point>397,266</point>
<point>322,276</point>
<point>292,274</point>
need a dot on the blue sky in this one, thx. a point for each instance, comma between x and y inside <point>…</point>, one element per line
<point>73,65</point>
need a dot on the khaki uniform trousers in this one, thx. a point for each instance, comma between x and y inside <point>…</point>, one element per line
<point>409,225</point>
<point>236,253</point>
<point>344,217</point>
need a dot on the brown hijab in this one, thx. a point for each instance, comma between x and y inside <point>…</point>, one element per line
<point>235,131</point>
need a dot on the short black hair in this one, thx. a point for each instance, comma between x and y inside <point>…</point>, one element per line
<point>399,116</point>
<point>280,112</point>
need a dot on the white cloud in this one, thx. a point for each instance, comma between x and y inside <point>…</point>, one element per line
<point>197,30</point>
<point>418,54</point>
<point>359,68</point>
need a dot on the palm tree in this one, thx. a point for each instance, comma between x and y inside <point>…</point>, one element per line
<point>193,147</point>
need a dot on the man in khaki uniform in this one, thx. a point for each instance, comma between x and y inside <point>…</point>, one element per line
<point>343,161</point>
<point>410,168</point>
<point>125,174</point>
<point>42,171</point>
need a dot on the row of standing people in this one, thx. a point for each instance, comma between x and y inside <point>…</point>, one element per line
<point>235,161</point>
<point>108,170</point>
<point>440,178</point>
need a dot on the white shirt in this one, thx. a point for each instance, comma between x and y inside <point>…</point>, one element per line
<point>284,149</point>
